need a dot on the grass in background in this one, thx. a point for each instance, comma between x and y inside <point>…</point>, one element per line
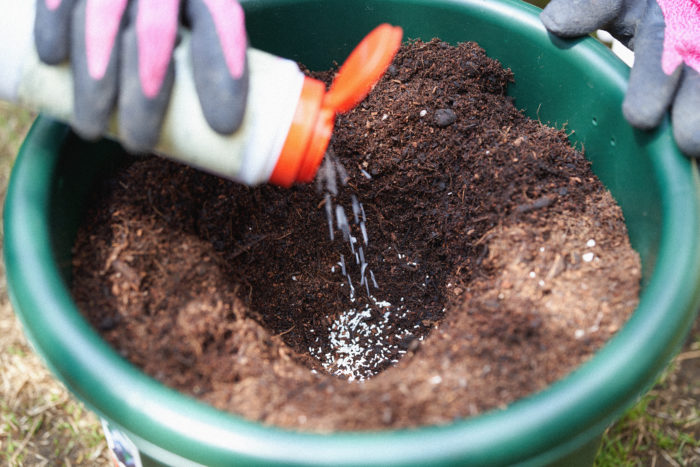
<point>663,428</point>
<point>14,124</point>
<point>40,423</point>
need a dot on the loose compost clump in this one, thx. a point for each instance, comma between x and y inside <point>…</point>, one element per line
<point>493,262</point>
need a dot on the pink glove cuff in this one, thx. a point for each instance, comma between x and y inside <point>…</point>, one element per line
<point>103,19</point>
<point>230,27</point>
<point>156,28</point>
<point>52,4</point>
<point>682,35</point>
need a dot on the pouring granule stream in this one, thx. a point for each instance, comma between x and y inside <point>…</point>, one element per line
<point>361,341</point>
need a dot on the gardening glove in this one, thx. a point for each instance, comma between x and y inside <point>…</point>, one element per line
<point>665,37</point>
<point>121,56</point>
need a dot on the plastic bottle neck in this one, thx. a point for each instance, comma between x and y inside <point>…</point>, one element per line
<point>308,137</point>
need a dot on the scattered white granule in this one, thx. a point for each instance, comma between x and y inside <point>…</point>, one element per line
<point>437,379</point>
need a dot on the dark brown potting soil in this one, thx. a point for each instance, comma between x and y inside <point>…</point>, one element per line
<point>494,262</point>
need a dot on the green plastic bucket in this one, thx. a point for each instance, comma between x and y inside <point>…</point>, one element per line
<point>579,84</point>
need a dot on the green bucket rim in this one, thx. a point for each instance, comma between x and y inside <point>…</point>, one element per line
<point>174,422</point>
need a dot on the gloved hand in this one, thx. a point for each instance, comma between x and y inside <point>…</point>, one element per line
<point>665,37</point>
<point>121,52</point>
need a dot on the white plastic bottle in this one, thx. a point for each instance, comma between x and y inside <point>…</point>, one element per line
<point>287,123</point>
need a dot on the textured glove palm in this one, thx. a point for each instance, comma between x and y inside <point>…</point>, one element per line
<point>665,37</point>
<point>121,55</point>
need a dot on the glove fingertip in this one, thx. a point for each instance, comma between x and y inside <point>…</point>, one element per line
<point>551,24</point>
<point>685,116</point>
<point>562,23</point>
<point>641,117</point>
<point>649,94</point>
<point>225,115</point>
<point>687,138</point>
<point>140,117</point>
<point>52,33</point>
<point>49,50</point>
<point>88,128</point>
<point>223,99</point>
<point>225,125</point>
<point>140,126</point>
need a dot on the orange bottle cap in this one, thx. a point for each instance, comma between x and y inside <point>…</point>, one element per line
<point>363,68</point>
<point>314,117</point>
<point>296,145</point>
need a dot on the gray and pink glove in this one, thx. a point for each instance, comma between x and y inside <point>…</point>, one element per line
<point>121,56</point>
<point>665,37</point>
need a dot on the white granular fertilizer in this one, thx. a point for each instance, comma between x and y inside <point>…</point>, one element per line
<point>359,344</point>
